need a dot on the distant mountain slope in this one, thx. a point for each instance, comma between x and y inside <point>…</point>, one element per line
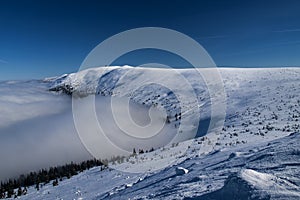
<point>259,101</point>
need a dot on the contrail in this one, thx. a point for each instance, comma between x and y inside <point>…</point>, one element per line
<point>287,30</point>
<point>212,37</point>
<point>3,61</point>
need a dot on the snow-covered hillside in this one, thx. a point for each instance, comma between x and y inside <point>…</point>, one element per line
<point>254,156</point>
<point>266,170</point>
<point>262,103</point>
<point>178,99</point>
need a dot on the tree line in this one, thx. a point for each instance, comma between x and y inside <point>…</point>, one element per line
<point>18,186</point>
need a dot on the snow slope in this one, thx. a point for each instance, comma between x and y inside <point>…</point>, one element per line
<point>253,157</point>
<point>176,108</point>
<point>258,171</point>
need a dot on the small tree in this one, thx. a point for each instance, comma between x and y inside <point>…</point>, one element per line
<point>55,182</point>
<point>37,186</point>
<point>20,192</point>
<point>25,191</point>
<point>141,151</point>
<point>10,192</point>
<point>168,120</point>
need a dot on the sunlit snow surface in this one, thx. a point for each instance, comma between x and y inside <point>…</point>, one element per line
<point>253,157</point>
<point>259,171</point>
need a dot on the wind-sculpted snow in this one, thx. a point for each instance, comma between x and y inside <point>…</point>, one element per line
<point>251,174</point>
<point>233,173</point>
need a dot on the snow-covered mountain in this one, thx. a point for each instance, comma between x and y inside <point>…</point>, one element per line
<point>178,97</point>
<point>255,156</point>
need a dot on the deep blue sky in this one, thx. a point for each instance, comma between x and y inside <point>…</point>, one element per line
<point>46,38</point>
